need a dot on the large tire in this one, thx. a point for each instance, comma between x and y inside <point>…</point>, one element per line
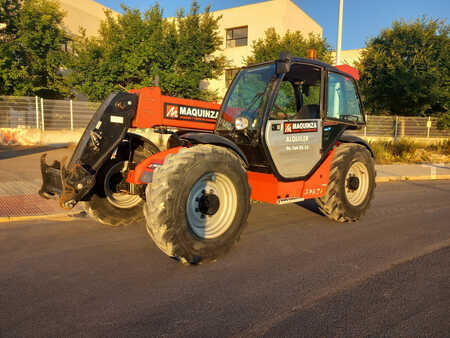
<point>351,184</point>
<point>198,203</point>
<point>112,208</point>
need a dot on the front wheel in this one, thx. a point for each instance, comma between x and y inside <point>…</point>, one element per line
<point>351,184</point>
<point>198,203</point>
<point>108,203</point>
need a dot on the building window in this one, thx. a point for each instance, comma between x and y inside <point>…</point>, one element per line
<point>229,75</point>
<point>237,37</point>
<point>67,46</point>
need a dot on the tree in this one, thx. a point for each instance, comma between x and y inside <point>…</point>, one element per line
<point>133,49</point>
<point>272,44</point>
<point>31,54</point>
<point>405,69</point>
<point>9,13</point>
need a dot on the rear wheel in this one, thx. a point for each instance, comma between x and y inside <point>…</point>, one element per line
<point>198,203</point>
<point>351,184</point>
<point>108,203</point>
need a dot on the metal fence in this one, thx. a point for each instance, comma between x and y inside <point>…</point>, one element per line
<point>35,112</point>
<point>401,126</point>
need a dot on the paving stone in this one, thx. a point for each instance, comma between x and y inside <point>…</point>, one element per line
<point>29,205</point>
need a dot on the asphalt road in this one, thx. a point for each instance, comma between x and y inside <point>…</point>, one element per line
<point>294,273</point>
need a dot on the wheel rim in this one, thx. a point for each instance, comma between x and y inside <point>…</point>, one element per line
<point>357,183</point>
<point>211,205</point>
<point>119,199</point>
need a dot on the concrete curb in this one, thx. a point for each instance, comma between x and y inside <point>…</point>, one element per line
<point>60,217</point>
<point>412,178</point>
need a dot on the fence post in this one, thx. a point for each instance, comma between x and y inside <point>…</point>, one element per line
<point>42,114</point>
<point>396,128</point>
<point>428,126</point>
<point>71,115</point>
<point>37,112</point>
<point>402,127</point>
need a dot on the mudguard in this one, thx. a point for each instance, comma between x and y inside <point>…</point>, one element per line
<point>104,132</point>
<point>355,139</point>
<point>208,138</point>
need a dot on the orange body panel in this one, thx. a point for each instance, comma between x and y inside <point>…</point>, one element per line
<point>349,70</point>
<point>266,187</point>
<point>157,110</point>
<point>134,176</point>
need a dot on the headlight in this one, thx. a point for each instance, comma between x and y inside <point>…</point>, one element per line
<point>241,123</point>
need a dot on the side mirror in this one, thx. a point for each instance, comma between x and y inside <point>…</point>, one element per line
<point>283,63</point>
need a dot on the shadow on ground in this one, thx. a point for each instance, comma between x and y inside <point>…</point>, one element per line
<point>310,205</point>
<point>16,151</point>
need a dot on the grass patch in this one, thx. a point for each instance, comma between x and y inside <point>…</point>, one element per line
<point>441,147</point>
<point>409,151</point>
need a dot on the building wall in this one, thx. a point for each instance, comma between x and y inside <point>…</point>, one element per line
<point>283,15</point>
<point>297,20</point>
<point>83,13</point>
<point>348,57</point>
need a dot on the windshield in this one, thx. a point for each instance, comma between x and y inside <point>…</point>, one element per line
<point>246,98</point>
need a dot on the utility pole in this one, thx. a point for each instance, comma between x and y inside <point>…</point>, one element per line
<point>339,37</point>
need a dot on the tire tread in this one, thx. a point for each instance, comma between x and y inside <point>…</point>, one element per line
<point>332,204</point>
<point>161,225</point>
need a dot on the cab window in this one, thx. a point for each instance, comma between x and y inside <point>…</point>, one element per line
<point>285,105</point>
<point>343,103</point>
<point>299,94</point>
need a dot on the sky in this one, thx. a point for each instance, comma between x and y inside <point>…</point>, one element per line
<point>362,19</point>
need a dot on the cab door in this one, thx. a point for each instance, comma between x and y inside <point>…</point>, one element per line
<point>343,103</point>
<point>343,108</point>
<point>293,134</point>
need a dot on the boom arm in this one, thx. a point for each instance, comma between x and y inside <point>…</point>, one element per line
<point>141,108</point>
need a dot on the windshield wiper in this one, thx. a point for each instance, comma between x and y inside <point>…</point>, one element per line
<point>252,102</point>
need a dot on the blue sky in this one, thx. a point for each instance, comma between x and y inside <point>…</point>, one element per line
<point>362,18</point>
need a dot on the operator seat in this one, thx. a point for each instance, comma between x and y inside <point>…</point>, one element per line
<point>309,111</point>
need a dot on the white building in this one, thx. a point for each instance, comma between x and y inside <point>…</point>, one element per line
<point>239,27</point>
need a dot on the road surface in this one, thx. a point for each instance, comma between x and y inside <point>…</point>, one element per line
<point>294,273</point>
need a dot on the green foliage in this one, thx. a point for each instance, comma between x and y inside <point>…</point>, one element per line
<point>9,15</point>
<point>409,151</point>
<point>405,69</point>
<point>31,55</point>
<point>442,147</point>
<point>402,150</point>
<point>443,121</point>
<point>285,101</point>
<point>269,48</point>
<point>134,48</point>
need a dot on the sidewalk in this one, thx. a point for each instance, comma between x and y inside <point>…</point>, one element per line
<point>20,180</point>
<point>413,172</point>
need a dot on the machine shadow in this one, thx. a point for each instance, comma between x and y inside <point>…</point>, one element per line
<point>7,152</point>
<point>310,205</point>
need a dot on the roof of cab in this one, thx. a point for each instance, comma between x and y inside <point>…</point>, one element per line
<point>314,62</point>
